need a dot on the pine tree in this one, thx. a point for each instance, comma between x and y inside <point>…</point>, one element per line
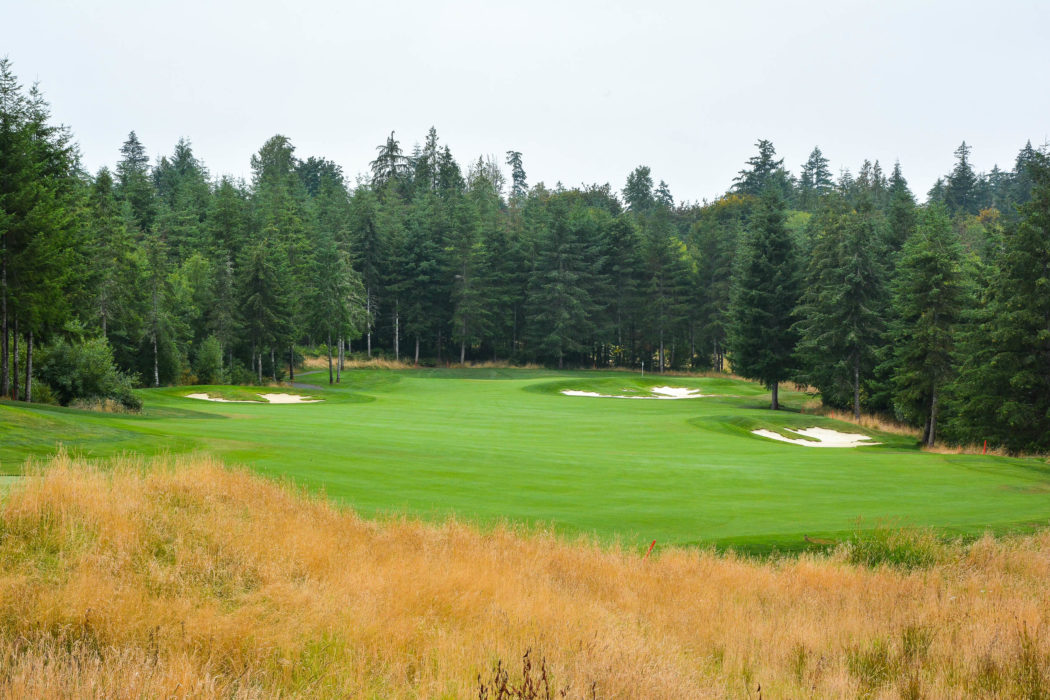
<point>1003,393</point>
<point>929,298</point>
<point>638,192</point>
<point>135,186</point>
<point>519,187</point>
<point>901,214</point>
<point>840,314</point>
<point>764,171</point>
<point>716,236</point>
<point>960,192</point>
<point>390,163</point>
<point>558,299</point>
<point>265,305</point>
<point>761,338</point>
<point>815,180</point>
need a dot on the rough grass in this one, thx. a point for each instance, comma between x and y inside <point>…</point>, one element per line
<point>179,577</point>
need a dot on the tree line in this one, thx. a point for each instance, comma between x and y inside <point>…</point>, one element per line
<point>156,273</point>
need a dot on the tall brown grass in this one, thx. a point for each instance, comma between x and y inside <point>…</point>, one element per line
<point>179,577</point>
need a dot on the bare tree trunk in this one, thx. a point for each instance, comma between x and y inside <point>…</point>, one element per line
<point>776,398</point>
<point>856,388</point>
<point>14,367</point>
<point>258,366</point>
<point>931,438</point>
<point>417,350</point>
<point>661,351</point>
<point>291,363</point>
<point>368,319</point>
<point>5,358</point>
<point>462,352</point>
<point>29,367</point>
<point>339,364</point>
<point>330,377</point>
<point>397,333</point>
<point>156,359</point>
<point>342,356</point>
<point>273,364</point>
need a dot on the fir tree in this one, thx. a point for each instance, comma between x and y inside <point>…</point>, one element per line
<point>928,299</point>
<point>762,338</point>
<point>1004,388</point>
<point>841,310</point>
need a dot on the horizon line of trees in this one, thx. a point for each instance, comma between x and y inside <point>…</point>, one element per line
<point>154,274</point>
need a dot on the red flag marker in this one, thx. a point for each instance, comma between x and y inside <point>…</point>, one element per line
<point>650,550</point>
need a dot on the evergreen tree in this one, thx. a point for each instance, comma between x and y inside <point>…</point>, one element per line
<point>928,299</point>
<point>815,180</point>
<point>762,338</point>
<point>764,171</point>
<point>716,237</point>
<point>901,215</point>
<point>1003,393</point>
<point>960,191</point>
<point>390,163</point>
<point>558,298</point>
<point>840,314</point>
<point>519,186</point>
<point>135,186</point>
<point>638,192</point>
<point>265,305</point>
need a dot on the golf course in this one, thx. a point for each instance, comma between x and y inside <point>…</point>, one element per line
<point>505,445</point>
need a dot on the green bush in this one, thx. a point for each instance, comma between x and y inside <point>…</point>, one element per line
<point>208,363</point>
<point>84,371</point>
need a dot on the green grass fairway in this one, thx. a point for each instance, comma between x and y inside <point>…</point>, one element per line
<point>506,444</point>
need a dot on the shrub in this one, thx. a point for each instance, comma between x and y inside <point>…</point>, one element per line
<point>84,371</point>
<point>208,363</point>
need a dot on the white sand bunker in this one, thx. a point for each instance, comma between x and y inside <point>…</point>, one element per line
<point>822,437</point>
<point>661,392</point>
<point>266,398</point>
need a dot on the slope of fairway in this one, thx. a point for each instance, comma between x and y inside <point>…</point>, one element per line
<point>493,444</point>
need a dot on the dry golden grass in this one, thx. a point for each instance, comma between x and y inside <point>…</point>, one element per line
<point>182,578</point>
<point>869,421</point>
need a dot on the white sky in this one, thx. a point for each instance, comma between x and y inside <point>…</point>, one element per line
<point>586,90</point>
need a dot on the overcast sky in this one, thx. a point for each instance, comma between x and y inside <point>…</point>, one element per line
<point>585,90</point>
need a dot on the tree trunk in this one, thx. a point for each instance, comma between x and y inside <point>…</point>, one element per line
<point>29,367</point>
<point>417,350</point>
<point>342,356</point>
<point>258,358</point>
<point>661,351</point>
<point>462,352</point>
<point>5,358</point>
<point>368,319</point>
<point>291,363</point>
<point>776,399</point>
<point>856,388</point>
<point>273,364</point>
<point>156,359</point>
<point>14,365</point>
<point>931,437</point>
<point>397,334</point>
<point>330,376</point>
<point>339,364</point>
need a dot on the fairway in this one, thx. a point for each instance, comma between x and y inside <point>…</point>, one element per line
<point>489,445</point>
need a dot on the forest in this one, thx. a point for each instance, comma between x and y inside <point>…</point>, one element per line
<point>934,312</point>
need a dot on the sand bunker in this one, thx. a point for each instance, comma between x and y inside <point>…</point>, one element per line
<point>661,392</point>
<point>267,398</point>
<point>288,398</point>
<point>822,437</point>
